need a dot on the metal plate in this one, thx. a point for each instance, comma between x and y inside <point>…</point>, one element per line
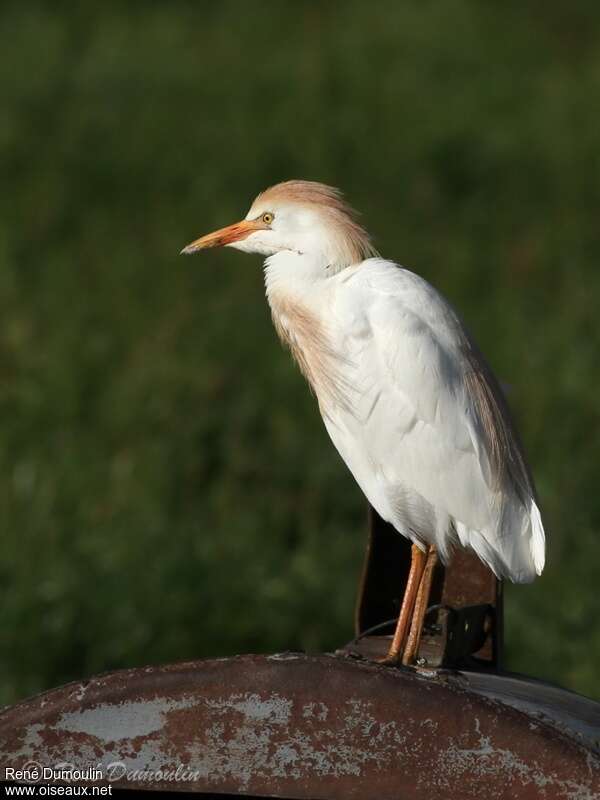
<point>299,727</point>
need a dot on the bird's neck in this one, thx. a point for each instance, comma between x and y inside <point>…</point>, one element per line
<point>293,281</point>
<point>294,275</point>
<point>297,290</point>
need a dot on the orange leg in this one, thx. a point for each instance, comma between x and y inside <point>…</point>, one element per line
<point>417,565</point>
<point>420,608</point>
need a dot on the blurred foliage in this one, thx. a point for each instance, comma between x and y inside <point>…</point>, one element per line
<point>167,489</point>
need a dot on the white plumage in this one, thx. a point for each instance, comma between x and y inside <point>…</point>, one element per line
<point>406,397</point>
<point>403,419</point>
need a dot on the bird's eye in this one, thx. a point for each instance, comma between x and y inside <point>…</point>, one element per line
<point>267,217</point>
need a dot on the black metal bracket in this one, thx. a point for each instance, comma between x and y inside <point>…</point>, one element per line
<point>451,636</point>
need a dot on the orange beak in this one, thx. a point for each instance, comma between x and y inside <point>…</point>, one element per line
<point>232,233</point>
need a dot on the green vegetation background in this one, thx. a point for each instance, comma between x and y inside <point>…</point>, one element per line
<point>167,490</point>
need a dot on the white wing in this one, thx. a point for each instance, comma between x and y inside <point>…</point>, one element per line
<point>425,429</point>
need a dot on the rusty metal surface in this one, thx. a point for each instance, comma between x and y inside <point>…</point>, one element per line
<point>300,727</point>
<point>384,574</point>
<point>577,716</point>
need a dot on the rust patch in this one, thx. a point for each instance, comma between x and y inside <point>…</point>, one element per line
<point>298,726</point>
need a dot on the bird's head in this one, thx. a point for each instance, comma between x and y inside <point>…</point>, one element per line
<point>300,217</point>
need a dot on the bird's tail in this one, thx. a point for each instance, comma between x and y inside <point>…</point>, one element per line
<point>515,549</point>
<point>537,542</point>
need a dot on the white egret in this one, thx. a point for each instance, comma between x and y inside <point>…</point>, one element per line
<point>406,396</point>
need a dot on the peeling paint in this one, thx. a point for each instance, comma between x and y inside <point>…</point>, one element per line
<point>111,723</point>
<point>301,727</point>
<point>274,708</point>
<point>488,761</point>
<point>284,657</point>
<point>317,711</point>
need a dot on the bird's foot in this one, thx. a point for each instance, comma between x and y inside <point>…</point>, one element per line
<point>403,658</point>
<point>390,660</point>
